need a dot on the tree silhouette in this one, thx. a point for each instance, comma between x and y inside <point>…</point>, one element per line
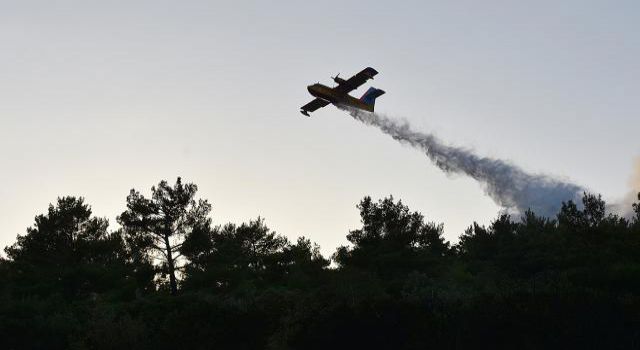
<point>234,256</point>
<point>68,251</point>
<point>158,225</point>
<point>532,282</point>
<point>393,241</point>
<point>636,210</point>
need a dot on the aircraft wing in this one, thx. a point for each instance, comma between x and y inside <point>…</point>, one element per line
<point>357,80</point>
<point>313,105</point>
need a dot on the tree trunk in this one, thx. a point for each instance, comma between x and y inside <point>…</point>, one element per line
<point>172,270</point>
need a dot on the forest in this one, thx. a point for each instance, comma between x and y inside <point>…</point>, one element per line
<point>168,278</point>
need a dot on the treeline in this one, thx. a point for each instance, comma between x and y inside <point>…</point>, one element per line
<point>170,279</point>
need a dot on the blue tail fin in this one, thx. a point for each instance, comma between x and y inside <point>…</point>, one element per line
<point>370,96</point>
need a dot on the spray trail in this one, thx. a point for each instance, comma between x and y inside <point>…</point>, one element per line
<point>507,184</point>
<point>624,205</point>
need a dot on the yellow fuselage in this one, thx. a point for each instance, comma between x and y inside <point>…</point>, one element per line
<point>336,97</point>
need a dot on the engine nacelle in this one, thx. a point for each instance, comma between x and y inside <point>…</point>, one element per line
<point>339,80</point>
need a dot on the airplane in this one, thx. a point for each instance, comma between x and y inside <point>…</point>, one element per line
<point>339,95</point>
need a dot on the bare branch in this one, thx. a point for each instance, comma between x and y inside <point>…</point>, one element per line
<point>160,249</point>
<point>177,256</point>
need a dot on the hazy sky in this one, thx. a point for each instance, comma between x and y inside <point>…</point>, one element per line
<point>98,97</point>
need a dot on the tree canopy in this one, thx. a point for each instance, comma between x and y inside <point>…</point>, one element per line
<point>170,278</point>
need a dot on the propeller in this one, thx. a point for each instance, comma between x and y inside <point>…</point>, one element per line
<point>337,79</point>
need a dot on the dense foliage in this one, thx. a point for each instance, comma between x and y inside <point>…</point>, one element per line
<point>168,278</point>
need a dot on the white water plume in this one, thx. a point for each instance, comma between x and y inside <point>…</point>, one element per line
<point>507,184</point>
<point>624,206</point>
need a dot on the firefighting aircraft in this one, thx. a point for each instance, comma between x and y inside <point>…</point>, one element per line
<point>339,95</point>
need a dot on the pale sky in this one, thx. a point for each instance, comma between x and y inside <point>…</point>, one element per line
<point>98,97</point>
